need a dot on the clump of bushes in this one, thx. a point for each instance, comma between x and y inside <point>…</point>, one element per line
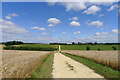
<point>87,48</point>
<point>98,49</point>
<point>30,48</point>
<point>13,43</point>
<point>114,48</point>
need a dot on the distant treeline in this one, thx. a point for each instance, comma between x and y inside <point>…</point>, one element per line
<point>73,43</point>
<point>58,43</point>
<point>17,43</point>
<point>29,48</point>
<point>10,46</point>
<point>9,43</point>
<point>90,43</point>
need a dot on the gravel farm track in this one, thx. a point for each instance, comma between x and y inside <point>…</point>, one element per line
<point>65,67</point>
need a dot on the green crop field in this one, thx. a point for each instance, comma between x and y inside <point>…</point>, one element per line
<point>48,47</point>
<point>92,47</point>
<point>38,45</point>
<point>33,47</point>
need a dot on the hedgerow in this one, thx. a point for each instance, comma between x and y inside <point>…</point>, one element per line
<point>29,48</point>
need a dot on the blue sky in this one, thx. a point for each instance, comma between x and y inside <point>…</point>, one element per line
<point>45,22</point>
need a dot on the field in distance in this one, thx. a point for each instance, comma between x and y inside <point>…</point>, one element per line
<point>48,47</point>
<point>91,47</point>
<point>33,47</point>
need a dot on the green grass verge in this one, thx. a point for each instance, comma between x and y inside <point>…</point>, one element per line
<point>45,69</point>
<point>107,72</point>
<point>92,47</point>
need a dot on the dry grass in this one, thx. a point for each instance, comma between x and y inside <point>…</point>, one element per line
<point>18,64</point>
<point>107,58</point>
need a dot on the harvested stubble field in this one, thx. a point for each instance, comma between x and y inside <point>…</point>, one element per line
<point>18,64</point>
<point>107,58</point>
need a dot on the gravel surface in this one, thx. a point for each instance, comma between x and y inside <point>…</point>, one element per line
<point>65,67</point>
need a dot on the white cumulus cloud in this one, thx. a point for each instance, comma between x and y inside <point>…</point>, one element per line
<point>38,28</point>
<point>112,7</point>
<point>115,31</point>
<point>92,10</point>
<point>78,32</point>
<point>12,28</point>
<point>76,6</point>
<point>53,22</point>
<point>101,33</point>
<point>73,18</point>
<point>50,25</point>
<point>96,23</point>
<point>74,23</point>
<point>9,16</point>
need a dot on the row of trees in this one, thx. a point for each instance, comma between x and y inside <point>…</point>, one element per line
<point>73,43</point>
<point>58,43</point>
<point>13,43</point>
<point>90,43</point>
<point>29,48</point>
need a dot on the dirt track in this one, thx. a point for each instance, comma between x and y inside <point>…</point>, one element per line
<point>65,67</point>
